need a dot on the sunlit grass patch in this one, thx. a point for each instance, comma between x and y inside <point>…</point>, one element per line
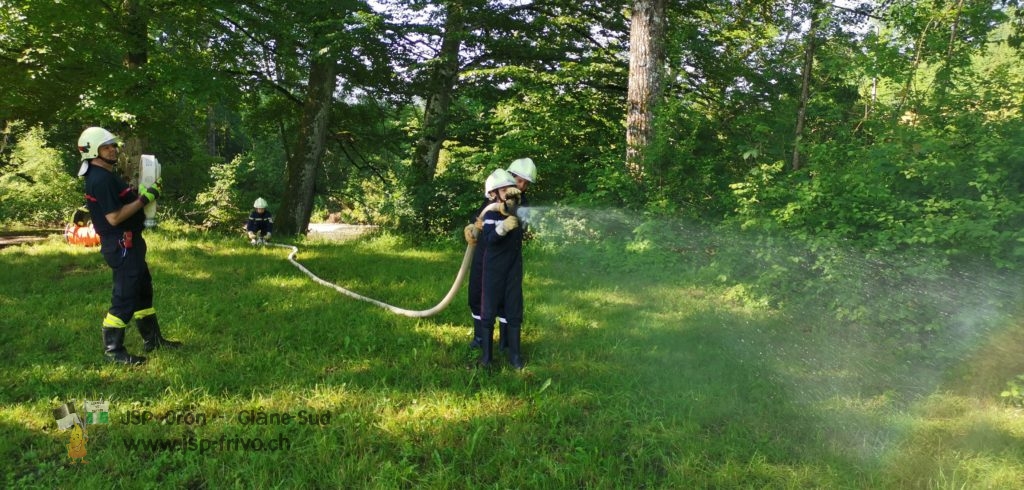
<point>638,375</point>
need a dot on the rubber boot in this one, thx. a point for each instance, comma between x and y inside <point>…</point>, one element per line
<point>502,335</point>
<point>149,328</point>
<point>113,340</point>
<point>487,348</point>
<point>514,356</point>
<point>478,335</point>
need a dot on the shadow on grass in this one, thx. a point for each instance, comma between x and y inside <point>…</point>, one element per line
<point>635,377</point>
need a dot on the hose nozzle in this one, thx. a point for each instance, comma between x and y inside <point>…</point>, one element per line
<point>511,205</point>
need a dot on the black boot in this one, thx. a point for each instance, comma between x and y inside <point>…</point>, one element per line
<point>502,335</point>
<point>150,330</point>
<point>487,346</point>
<point>514,357</point>
<point>113,340</point>
<point>478,340</point>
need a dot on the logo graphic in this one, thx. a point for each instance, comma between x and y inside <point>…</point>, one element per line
<point>65,416</point>
<point>96,412</point>
<point>76,448</point>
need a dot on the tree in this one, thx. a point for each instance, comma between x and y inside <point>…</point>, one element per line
<point>646,58</point>
<point>805,81</point>
<point>300,179</point>
<point>442,74</point>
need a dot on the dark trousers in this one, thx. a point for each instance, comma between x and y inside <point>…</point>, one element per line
<point>133,285</point>
<point>503,296</point>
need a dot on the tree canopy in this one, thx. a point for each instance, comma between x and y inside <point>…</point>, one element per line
<point>889,123</point>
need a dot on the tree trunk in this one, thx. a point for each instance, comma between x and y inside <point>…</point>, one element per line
<point>435,114</point>
<point>135,19</point>
<point>136,25</point>
<point>301,169</point>
<point>211,131</point>
<point>805,84</point>
<point>646,57</point>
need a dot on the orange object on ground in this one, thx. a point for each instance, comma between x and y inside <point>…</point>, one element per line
<point>79,230</point>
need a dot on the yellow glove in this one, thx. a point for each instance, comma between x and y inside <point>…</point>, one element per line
<point>470,233</point>
<point>511,202</point>
<point>507,225</point>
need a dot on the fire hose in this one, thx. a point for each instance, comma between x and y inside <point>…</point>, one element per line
<point>511,207</point>
<point>466,259</point>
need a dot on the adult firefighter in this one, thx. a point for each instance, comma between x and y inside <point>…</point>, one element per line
<point>117,215</point>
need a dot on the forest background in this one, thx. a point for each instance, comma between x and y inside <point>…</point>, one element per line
<point>732,195</point>
<point>889,128</point>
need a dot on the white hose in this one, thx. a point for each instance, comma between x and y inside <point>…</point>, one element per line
<point>394,309</point>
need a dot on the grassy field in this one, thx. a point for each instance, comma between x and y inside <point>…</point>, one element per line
<point>640,373</point>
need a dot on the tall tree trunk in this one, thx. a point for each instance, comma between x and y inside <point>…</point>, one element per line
<point>211,131</point>
<point>135,22</point>
<point>136,25</point>
<point>944,75</point>
<point>646,57</point>
<point>301,169</point>
<point>443,76</point>
<point>805,83</point>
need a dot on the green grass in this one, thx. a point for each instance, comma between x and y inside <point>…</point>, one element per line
<point>639,374</point>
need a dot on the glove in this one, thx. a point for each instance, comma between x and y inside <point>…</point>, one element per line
<point>470,232</point>
<point>507,225</point>
<point>252,236</point>
<point>511,203</point>
<point>267,237</point>
<point>149,194</point>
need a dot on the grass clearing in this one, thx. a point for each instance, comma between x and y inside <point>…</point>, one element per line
<point>639,374</point>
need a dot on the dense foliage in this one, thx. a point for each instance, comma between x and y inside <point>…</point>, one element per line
<point>909,142</point>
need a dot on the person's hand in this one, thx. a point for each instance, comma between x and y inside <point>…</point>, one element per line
<point>511,203</point>
<point>267,237</point>
<point>149,194</point>
<point>507,225</point>
<point>470,232</point>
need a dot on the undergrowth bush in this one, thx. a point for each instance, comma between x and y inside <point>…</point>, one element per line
<point>37,191</point>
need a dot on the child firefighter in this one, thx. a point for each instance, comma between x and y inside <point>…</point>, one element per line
<point>502,276</point>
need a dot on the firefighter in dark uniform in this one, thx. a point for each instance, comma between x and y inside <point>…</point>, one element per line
<point>524,171</point>
<point>260,224</point>
<point>497,180</point>
<point>502,274</point>
<point>117,215</point>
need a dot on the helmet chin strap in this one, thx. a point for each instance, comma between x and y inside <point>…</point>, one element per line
<point>109,162</point>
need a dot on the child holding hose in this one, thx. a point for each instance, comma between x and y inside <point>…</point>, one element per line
<point>502,277</point>
<point>499,179</point>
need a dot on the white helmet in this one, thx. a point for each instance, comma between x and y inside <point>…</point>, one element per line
<point>498,179</point>
<point>89,144</point>
<point>260,203</point>
<point>524,168</point>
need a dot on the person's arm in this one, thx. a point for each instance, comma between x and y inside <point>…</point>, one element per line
<point>146,196</point>
<point>124,212</point>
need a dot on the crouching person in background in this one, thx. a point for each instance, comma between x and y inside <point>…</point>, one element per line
<point>260,224</point>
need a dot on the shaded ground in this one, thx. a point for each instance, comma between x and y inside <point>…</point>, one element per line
<point>8,238</point>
